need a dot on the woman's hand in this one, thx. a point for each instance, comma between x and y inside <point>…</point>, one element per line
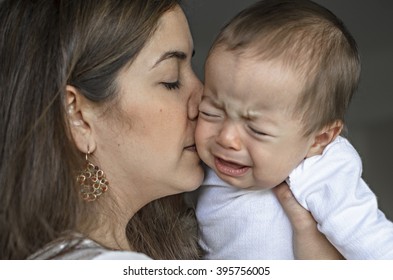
<point>309,243</point>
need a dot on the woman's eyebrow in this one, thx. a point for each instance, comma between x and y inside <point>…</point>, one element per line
<point>171,54</point>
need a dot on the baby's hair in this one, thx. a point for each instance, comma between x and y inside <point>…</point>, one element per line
<point>308,39</point>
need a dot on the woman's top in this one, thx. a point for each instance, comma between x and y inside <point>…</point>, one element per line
<point>79,248</point>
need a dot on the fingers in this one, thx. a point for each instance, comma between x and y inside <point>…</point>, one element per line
<point>308,242</point>
<point>299,217</point>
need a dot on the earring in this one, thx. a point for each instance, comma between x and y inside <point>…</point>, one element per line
<point>92,180</point>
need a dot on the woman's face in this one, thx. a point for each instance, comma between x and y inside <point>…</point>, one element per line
<point>149,151</point>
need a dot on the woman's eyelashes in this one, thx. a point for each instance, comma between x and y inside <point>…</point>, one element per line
<point>172,85</point>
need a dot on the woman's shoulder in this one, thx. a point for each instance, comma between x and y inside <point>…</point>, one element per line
<point>79,248</point>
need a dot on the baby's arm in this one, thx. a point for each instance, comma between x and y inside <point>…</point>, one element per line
<point>308,242</point>
<point>331,188</point>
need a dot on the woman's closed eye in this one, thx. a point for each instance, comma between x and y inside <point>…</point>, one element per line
<point>172,85</point>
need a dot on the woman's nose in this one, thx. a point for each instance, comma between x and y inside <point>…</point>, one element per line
<point>228,137</point>
<point>195,99</point>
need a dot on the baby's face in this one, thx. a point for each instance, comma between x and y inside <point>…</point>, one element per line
<point>246,130</point>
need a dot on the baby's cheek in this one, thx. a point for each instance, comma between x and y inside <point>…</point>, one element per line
<point>202,136</point>
<point>268,178</point>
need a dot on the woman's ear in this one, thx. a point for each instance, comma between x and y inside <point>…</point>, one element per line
<point>324,137</point>
<point>77,113</point>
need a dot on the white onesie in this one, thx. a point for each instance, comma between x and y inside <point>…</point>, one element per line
<point>250,224</point>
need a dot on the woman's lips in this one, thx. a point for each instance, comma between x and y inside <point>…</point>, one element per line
<point>230,168</point>
<point>191,148</point>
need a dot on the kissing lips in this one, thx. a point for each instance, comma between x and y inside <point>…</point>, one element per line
<point>230,168</point>
<point>191,148</point>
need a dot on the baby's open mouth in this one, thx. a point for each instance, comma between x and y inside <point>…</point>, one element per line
<point>230,168</point>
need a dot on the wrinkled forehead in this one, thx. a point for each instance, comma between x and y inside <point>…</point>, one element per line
<point>243,74</point>
<point>251,57</point>
<point>300,50</point>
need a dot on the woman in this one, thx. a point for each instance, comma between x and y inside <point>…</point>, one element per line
<point>98,110</point>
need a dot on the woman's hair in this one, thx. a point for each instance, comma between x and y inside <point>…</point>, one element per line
<point>172,233</point>
<point>44,46</point>
<point>308,39</point>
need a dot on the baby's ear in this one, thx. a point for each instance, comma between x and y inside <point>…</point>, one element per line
<point>78,112</point>
<point>324,137</point>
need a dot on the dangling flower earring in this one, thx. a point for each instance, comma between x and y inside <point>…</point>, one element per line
<point>92,180</point>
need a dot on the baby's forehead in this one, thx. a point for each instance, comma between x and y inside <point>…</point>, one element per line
<point>256,53</point>
<point>250,60</point>
<point>242,76</point>
<point>299,59</point>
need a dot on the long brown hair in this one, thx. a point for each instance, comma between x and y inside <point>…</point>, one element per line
<point>45,45</point>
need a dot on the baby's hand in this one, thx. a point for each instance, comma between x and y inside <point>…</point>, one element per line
<point>309,243</point>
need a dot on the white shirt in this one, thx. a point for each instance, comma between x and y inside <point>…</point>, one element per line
<point>241,224</point>
<point>247,224</point>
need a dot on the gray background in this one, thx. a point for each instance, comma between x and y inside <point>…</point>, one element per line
<point>370,118</point>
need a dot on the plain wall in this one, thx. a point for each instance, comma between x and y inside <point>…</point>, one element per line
<point>370,118</point>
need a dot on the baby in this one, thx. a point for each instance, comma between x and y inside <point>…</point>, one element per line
<point>279,79</point>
